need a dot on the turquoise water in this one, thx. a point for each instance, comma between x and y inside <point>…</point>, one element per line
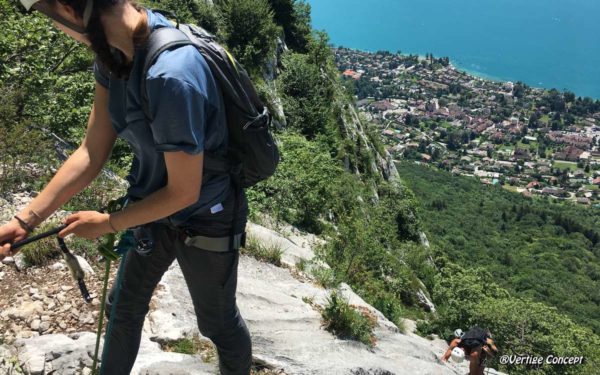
<point>544,43</point>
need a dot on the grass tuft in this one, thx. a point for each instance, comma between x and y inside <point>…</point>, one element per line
<point>268,253</point>
<point>192,345</point>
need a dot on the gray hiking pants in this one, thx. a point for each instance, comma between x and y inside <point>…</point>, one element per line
<point>211,278</point>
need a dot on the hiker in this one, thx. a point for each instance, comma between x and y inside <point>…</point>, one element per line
<point>476,345</point>
<point>171,196</point>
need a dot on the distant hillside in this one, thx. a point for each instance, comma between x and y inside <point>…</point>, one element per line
<point>534,248</point>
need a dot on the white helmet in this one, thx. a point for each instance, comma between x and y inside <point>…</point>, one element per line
<point>458,355</point>
<point>458,333</point>
<point>45,8</point>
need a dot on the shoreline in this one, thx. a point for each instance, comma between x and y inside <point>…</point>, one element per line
<point>469,72</point>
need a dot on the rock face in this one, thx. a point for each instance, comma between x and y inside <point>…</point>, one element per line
<point>286,330</point>
<point>73,354</point>
<point>353,129</point>
<point>294,249</point>
<point>286,327</point>
<point>280,308</point>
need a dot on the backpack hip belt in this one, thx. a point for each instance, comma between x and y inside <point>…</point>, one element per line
<point>217,244</point>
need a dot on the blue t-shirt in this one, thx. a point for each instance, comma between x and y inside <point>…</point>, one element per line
<point>188,113</point>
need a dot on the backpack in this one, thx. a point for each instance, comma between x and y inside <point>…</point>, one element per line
<point>474,338</point>
<point>252,155</point>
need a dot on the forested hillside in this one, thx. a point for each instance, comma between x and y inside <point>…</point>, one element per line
<point>537,249</point>
<point>516,265</point>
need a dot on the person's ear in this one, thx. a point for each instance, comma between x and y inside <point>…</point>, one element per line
<point>68,11</point>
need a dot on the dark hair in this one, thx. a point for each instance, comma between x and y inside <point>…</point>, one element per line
<point>113,59</point>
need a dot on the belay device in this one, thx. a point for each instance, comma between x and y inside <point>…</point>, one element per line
<point>70,259</point>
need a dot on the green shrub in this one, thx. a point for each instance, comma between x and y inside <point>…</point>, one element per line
<point>325,277</point>
<point>302,191</point>
<point>41,252</point>
<point>207,16</point>
<point>424,328</point>
<point>301,265</point>
<point>387,303</point>
<point>183,346</point>
<point>347,323</point>
<point>307,95</point>
<point>192,345</point>
<point>25,152</point>
<point>199,12</point>
<point>308,300</point>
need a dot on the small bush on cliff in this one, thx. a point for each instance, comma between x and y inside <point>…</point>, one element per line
<point>307,96</point>
<point>302,191</point>
<point>345,322</point>
<point>24,150</point>
<point>325,277</point>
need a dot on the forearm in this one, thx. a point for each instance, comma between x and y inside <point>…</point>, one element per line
<point>160,204</point>
<point>72,177</point>
<point>182,190</point>
<point>449,351</point>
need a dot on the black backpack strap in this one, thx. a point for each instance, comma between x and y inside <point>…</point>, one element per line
<point>160,40</point>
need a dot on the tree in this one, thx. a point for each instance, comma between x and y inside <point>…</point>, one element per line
<point>200,12</point>
<point>307,96</point>
<point>569,96</point>
<point>319,50</point>
<point>294,17</point>
<point>519,89</point>
<point>534,120</point>
<point>249,31</point>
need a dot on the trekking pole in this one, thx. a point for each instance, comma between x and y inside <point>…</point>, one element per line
<point>69,258</point>
<point>37,237</point>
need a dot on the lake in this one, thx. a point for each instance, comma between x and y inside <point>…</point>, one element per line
<point>544,43</point>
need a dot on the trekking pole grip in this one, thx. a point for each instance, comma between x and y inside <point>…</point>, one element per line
<point>37,237</point>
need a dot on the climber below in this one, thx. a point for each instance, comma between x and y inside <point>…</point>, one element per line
<point>476,345</point>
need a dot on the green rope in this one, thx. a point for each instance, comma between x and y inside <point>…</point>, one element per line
<point>101,317</point>
<point>113,312</point>
<point>107,250</point>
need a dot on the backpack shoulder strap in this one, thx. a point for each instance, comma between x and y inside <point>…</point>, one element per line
<point>160,40</point>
